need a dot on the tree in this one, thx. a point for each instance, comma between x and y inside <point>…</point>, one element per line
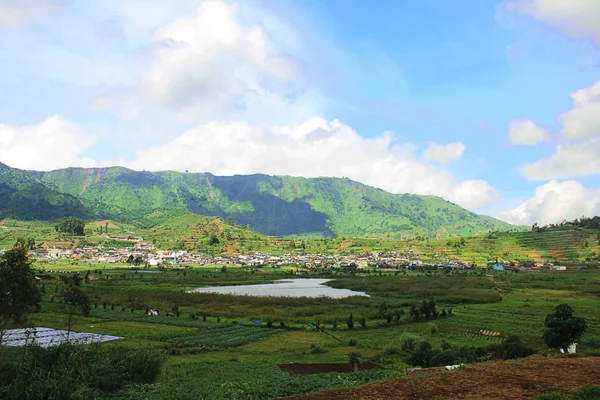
<point>350,322</point>
<point>415,311</point>
<point>18,289</point>
<point>354,360</point>
<point>76,302</point>
<point>213,240</point>
<point>71,225</point>
<point>563,328</point>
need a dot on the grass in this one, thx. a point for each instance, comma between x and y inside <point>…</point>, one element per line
<point>245,380</point>
<point>507,302</point>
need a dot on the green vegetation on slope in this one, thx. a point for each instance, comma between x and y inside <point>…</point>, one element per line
<point>24,197</point>
<point>271,205</point>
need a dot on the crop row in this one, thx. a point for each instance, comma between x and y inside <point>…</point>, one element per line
<point>227,336</point>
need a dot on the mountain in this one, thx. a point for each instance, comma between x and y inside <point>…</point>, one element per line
<point>24,197</point>
<point>272,205</point>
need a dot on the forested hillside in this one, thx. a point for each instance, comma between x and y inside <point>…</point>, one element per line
<point>24,197</point>
<point>272,205</point>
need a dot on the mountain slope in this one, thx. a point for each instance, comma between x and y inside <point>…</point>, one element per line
<point>272,205</point>
<point>24,197</point>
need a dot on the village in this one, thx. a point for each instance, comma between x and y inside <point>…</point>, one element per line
<point>146,255</point>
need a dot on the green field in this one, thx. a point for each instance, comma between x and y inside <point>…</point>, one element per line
<point>221,353</point>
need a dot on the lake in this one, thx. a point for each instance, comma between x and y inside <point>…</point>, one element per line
<point>284,288</point>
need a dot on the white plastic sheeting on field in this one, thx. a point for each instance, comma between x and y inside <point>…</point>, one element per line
<point>47,337</point>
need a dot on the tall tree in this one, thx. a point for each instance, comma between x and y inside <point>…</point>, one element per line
<point>71,225</point>
<point>18,290</point>
<point>563,328</point>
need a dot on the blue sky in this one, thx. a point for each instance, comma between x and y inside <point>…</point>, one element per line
<point>494,105</point>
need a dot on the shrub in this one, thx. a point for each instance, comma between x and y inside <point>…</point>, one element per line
<point>70,371</point>
<point>352,342</point>
<point>408,344</point>
<point>587,392</point>
<point>314,349</point>
<point>391,351</point>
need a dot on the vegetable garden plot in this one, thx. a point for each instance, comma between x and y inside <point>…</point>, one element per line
<point>227,336</point>
<point>481,333</point>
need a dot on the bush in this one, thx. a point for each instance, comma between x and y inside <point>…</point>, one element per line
<point>587,392</point>
<point>408,344</point>
<point>70,371</point>
<point>434,329</point>
<point>314,349</point>
<point>352,342</point>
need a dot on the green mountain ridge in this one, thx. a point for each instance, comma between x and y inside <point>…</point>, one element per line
<point>271,205</point>
<point>24,197</point>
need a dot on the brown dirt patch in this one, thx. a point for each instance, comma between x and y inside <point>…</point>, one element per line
<point>307,369</point>
<point>102,223</point>
<point>533,255</point>
<point>231,247</point>
<point>346,244</point>
<point>87,182</point>
<point>494,380</point>
<point>557,254</point>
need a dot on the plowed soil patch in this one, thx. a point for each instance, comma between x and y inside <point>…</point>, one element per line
<point>497,380</point>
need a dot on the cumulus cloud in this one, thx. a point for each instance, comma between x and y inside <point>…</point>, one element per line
<point>315,148</point>
<point>569,160</point>
<point>54,143</point>
<point>16,13</point>
<point>578,152</point>
<point>526,132</point>
<point>583,120</point>
<point>444,153</point>
<point>212,65</point>
<point>553,202</point>
<point>579,19</point>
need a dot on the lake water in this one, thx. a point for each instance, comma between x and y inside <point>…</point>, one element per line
<point>284,288</point>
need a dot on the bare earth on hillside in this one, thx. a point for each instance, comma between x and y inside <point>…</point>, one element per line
<point>493,380</point>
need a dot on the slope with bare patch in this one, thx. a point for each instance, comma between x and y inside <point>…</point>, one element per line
<point>494,380</point>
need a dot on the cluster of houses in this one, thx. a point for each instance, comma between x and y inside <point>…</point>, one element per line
<point>528,266</point>
<point>147,255</point>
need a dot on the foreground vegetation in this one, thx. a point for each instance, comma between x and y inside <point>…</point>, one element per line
<point>206,345</point>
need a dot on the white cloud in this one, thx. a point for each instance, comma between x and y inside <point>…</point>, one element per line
<point>579,19</point>
<point>53,143</point>
<point>583,120</point>
<point>526,132</point>
<point>578,153</point>
<point>553,202</point>
<point>16,13</point>
<point>444,153</point>
<point>312,149</point>
<point>210,65</point>
<point>570,160</point>
<point>315,148</point>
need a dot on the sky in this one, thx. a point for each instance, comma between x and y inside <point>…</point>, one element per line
<point>493,105</point>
